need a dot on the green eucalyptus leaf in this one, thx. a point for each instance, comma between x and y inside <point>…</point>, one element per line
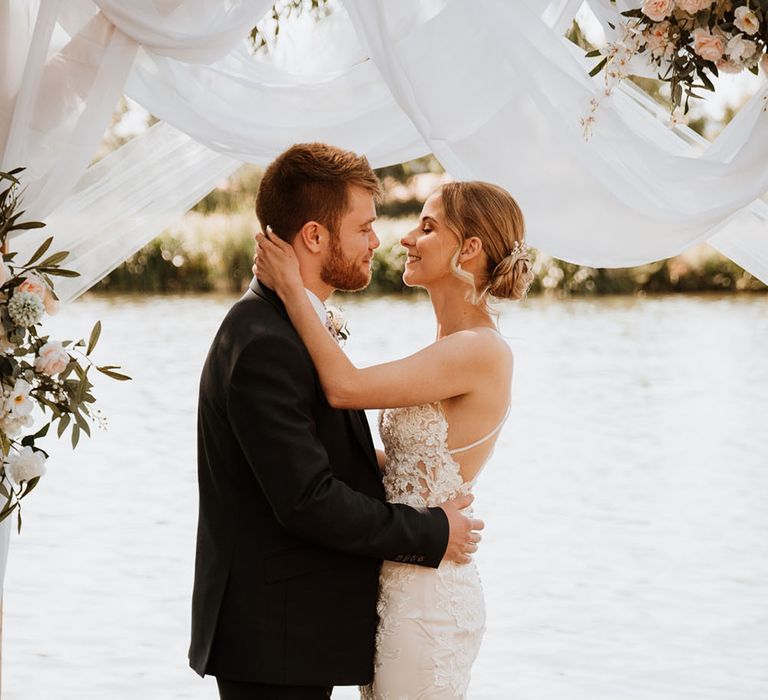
<point>75,436</point>
<point>63,424</point>
<point>114,375</point>
<point>61,272</point>
<point>27,225</point>
<point>41,250</point>
<point>29,486</point>
<point>7,511</point>
<point>9,176</point>
<point>55,259</point>
<point>82,423</point>
<point>95,334</point>
<point>42,432</point>
<point>598,68</point>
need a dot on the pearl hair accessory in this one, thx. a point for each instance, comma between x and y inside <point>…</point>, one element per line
<point>518,251</point>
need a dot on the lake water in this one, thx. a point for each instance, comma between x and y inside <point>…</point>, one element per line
<point>626,548</point>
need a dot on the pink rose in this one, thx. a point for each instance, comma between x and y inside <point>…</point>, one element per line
<point>657,39</point>
<point>764,64</point>
<point>51,304</point>
<point>694,6</point>
<point>709,46</point>
<point>34,285</point>
<point>52,358</point>
<point>658,10</point>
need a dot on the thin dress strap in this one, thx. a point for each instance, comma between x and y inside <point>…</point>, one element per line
<point>483,439</point>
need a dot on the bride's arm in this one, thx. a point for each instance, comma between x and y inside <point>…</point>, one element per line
<point>449,367</point>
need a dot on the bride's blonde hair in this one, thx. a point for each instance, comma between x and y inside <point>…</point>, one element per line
<point>490,213</point>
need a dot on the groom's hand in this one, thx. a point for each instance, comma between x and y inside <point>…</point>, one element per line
<point>464,536</point>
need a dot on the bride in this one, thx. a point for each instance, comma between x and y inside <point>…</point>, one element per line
<point>443,408</point>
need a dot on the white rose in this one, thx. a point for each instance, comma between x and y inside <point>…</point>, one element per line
<point>26,465</point>
<point>739,49</point>
<point>658,10</point>
<point>19,402</point>
<point>52,358</point>
<point>746,20</point>
<point>13,424</point>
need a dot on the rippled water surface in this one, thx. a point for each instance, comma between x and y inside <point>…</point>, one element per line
<point>626,549</point>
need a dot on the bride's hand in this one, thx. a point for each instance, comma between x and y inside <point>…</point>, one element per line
<point>276,264</point>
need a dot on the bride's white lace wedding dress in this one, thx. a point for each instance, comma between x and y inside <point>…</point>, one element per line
<point>431,620</point>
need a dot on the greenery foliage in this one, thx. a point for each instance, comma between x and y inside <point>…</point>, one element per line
<point>34,369</point>
<point>213,253</point>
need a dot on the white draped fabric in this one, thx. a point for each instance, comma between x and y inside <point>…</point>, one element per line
<point>491,87</point>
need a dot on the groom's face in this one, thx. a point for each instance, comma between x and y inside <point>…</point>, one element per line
<point>349,255</point>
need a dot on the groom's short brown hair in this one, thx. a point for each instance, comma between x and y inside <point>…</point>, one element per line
<point>309,182</point>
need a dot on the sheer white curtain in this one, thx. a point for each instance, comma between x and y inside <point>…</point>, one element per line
<point>506,107</point>
<point>78,55</point>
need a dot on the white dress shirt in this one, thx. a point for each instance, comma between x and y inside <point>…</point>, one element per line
<point>318,306</point>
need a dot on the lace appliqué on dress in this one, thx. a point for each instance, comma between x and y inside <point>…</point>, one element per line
<point>431,620</point>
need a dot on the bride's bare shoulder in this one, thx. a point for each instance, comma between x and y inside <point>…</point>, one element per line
<point>487,345</point>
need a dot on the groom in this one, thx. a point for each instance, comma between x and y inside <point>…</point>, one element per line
<point>293,524</point>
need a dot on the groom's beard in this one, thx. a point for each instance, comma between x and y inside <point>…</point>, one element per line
<point>340,272</point>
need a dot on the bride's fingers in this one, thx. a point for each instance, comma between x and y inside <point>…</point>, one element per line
<point>268,243</point>
<point>279,242</point>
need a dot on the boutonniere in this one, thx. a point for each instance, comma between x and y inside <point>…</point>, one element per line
<point>337,324</point>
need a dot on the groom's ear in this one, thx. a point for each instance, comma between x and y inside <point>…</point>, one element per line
<point>313,236</point>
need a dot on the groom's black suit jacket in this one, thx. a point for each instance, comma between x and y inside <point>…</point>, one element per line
<point>293,524</point>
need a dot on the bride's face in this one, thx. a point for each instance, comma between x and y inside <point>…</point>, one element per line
<point>430,247</point>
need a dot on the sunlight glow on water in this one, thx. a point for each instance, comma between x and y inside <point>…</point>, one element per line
<point>626,549</point>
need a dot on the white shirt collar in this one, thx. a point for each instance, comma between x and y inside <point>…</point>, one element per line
<point>317,305</point>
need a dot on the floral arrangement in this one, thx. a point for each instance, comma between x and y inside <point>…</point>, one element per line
<point>36,371</point>
<point>337,323</point>
<point>688,41</point>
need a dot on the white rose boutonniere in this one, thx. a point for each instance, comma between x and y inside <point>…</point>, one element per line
<point>337,324</point>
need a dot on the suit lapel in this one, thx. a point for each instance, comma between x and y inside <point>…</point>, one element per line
<point>355,419</point>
